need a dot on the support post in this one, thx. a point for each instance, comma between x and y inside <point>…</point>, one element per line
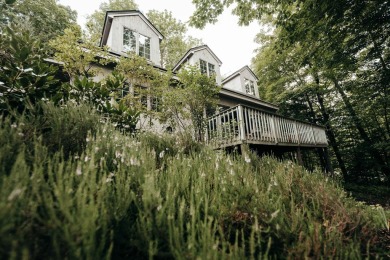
<point>241,122</point>
<point>328,164</point>
<point>299,156</point>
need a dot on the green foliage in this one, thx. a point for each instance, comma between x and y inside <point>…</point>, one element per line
<point>175,43</point>
<point>194,94</point>
<point>25,78</point>
<point>46,19</point>
<point>327,62</point>
<point>115,200</point>
<point>78,58</point>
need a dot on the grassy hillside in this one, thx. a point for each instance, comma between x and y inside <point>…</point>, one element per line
<point>73,187</point>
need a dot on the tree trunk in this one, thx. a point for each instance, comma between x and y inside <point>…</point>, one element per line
<point>363,134</point>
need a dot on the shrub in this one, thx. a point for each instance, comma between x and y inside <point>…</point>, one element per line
<point>114,200</point>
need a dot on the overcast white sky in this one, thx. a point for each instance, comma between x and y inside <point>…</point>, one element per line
<point>234,45</point>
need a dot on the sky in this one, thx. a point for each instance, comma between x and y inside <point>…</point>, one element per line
<point>234,45</point>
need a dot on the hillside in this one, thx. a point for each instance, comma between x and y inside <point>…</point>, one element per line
<point>72,186</point>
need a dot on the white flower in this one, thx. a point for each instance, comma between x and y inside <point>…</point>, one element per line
<point>161,155</point>
<point>109,180</point>
<point>87,139</point>
<point>14,125</point>
<point>20,134</point>
<point>78,171</point>
<point>247,159</point>
<point>86,159</point>
<point>14,194</point>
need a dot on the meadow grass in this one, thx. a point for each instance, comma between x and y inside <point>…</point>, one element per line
<point>83,190</point>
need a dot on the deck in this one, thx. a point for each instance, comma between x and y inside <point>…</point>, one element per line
<point>241,124</point>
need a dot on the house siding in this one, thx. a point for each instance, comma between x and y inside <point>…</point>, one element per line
<point>136,24</point>
<point>234,84</point>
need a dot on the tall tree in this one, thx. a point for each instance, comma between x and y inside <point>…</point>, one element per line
<point>175,43</point>
<point>43,18</point>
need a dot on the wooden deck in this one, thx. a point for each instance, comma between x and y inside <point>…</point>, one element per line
<point>241,124</point>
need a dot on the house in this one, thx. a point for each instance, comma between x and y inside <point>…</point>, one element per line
<point>242,117</point>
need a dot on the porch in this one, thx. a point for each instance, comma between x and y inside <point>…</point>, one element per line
<point>242,124</point>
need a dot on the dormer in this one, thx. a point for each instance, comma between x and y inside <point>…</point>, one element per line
<point>243,80</point>
<point>131,31</point>
<point>203,57</point>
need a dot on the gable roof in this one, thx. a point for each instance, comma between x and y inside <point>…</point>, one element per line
<point>110,16</point>
<point>237,73</point>
<point>191,52</point>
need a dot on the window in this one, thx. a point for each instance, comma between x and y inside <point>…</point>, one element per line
<point>144,46</point>
<point>203,67</point>
<point>207,68</point>
<point>129,42</point>
<point>211,69</point>
<point>249,87</point>
<point>139,95</point>
<point>155,106</point>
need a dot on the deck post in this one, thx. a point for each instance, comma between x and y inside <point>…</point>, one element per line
<point>328,164</point>
<point>296,132</point>
<point>299,156</point>
<point>273,128</point>
<point>241,122</point>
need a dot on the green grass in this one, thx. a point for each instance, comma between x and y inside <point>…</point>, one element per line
<point>152,196</point>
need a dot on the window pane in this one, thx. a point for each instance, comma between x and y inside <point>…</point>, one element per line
<point>211,69</point>
<point>249,86</point>
<point>144,46</point>
<point>203,67</point>
<point>129,43</point>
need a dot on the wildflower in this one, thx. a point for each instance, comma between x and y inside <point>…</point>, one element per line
<point>78,171</point>
<point>21,134</point>
<point>247,159</point>
<point>159,207</point>
<point>14,125</point>
<point>96,149</point>
<point>87,139</point>
<point>275,214</point>
<point>109,179</point>
<point>86,159</point>
<point>14,194</point>
<point>161,155</point>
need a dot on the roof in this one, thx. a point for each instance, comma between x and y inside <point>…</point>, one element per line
<point>191,52</point>
<point>111,14</point>
<point>237,73</point>
<point>239,96</point>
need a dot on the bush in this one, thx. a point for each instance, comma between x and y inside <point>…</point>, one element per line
<point>114,200</point>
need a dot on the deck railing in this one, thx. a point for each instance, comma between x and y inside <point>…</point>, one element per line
<point>241,124</point>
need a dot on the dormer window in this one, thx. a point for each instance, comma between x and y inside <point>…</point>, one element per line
<point>249,87</point>
<point>130,43</point>
<point>206,68</point>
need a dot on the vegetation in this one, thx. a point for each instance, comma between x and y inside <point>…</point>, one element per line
<point>119,196</point>
<point>77,181</point>
<point>327,63</point>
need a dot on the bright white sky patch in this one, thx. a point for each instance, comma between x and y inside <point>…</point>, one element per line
<point>234,45</point>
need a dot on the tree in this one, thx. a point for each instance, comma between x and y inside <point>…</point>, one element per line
<point>194,94</point>
<point>45,19</point>
<point>175,42</point>
<point>78,58</point>
<point>95,21</point>
<point>336,48</point>
<point>25,78</point>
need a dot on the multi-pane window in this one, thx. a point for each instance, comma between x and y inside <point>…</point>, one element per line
<point>249,87</point>
<point>139,95</point>
<point>203,67</point>
<point>144,46</point>
<point>207,68</point>
<point>129,41</point>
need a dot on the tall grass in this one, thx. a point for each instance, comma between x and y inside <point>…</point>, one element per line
<point>117,196</point>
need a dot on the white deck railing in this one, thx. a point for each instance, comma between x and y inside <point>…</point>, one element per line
<point>241,124</point>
